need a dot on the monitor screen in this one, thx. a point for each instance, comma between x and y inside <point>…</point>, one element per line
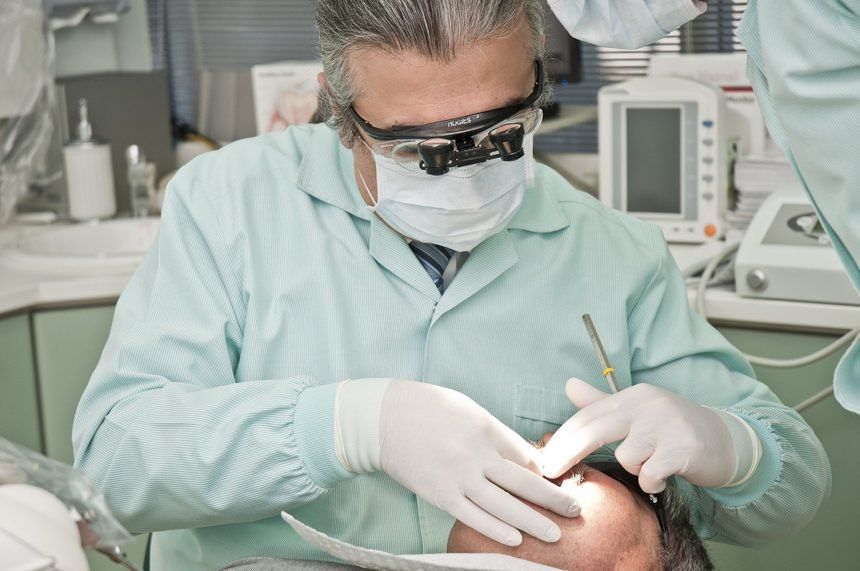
<point>654,160</point>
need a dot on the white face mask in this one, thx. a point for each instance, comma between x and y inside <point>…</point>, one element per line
<point>459,209</point>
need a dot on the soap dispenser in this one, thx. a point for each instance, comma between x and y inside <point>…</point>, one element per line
<point>89,174</point>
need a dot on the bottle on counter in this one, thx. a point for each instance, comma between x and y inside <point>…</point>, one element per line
<point>141,180</point>
<point>89,174</point>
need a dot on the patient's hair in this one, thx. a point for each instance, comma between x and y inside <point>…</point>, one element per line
<point>685,550</point>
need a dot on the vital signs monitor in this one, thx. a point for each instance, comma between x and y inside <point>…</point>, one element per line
<point>664,155</point>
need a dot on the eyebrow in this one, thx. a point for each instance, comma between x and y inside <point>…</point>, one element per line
<point>513,100</point>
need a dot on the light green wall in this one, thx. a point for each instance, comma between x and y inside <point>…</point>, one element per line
<point>830,541</point>
<point>97,48</point>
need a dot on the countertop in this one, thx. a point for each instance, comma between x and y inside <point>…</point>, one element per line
<point>22,290</point>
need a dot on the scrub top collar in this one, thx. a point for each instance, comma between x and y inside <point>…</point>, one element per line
<point>326,172</point>
<point>540,211</point>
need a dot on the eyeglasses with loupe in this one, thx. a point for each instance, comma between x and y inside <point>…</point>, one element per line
<point>437,147</point>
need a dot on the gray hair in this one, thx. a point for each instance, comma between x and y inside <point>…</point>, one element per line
<point>685,550</point>
<point>436,29</point>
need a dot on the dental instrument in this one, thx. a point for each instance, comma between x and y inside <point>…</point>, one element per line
<point>608,370</point>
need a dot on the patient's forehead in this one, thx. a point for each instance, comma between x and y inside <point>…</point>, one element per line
<point>616,529</point>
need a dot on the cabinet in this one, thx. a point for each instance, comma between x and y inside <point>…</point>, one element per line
<point>19,404</point>
<point>46,359</point>
<point>65,348</point>
<point>830,541</point>
<point>68,344</point>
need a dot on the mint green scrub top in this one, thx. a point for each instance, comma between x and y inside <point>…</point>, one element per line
<point>211,408</point>
<point>804,62</point>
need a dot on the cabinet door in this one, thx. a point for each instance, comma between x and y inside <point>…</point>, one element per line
<point>830,541</point>
<point>69,343</point>
<point>19,409</point>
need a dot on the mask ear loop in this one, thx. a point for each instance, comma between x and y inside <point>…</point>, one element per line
<point>375,204</point>
<point>529,146</point>
<point>529,166</point>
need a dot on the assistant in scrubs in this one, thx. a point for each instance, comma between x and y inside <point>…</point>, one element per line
<point>804,64</point>
<point>364,323</point>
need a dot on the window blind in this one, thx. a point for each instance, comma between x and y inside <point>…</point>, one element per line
<point>194,35</point>
<point>191,35</point>
<point>714,31</point>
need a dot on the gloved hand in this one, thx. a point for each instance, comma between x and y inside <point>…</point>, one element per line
<point>451,452</point>
<point>663,434</point>
<point>627,24</point>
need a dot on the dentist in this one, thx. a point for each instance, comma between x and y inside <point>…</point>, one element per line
<point>363,322</point>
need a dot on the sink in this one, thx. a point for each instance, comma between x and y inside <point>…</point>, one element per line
<point>112,245</point>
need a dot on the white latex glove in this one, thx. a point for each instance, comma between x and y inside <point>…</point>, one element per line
<point>451,452</point>
<point>663,435</point>
<point>627,24</point>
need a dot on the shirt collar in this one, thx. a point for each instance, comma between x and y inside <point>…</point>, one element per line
<point>540,211</point>
<point>327,172</point>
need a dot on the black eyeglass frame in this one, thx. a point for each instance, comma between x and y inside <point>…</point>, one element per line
<point>454,128</point>
<point>631,482</point>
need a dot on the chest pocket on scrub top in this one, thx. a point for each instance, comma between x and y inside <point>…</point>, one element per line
<point>538,411</point>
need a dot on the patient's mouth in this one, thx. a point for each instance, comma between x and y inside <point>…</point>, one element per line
<point>574,476</point>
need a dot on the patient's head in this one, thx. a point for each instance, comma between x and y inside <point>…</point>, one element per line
<point>617,529</point>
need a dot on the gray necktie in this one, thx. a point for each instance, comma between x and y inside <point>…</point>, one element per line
<point>434,258</point>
